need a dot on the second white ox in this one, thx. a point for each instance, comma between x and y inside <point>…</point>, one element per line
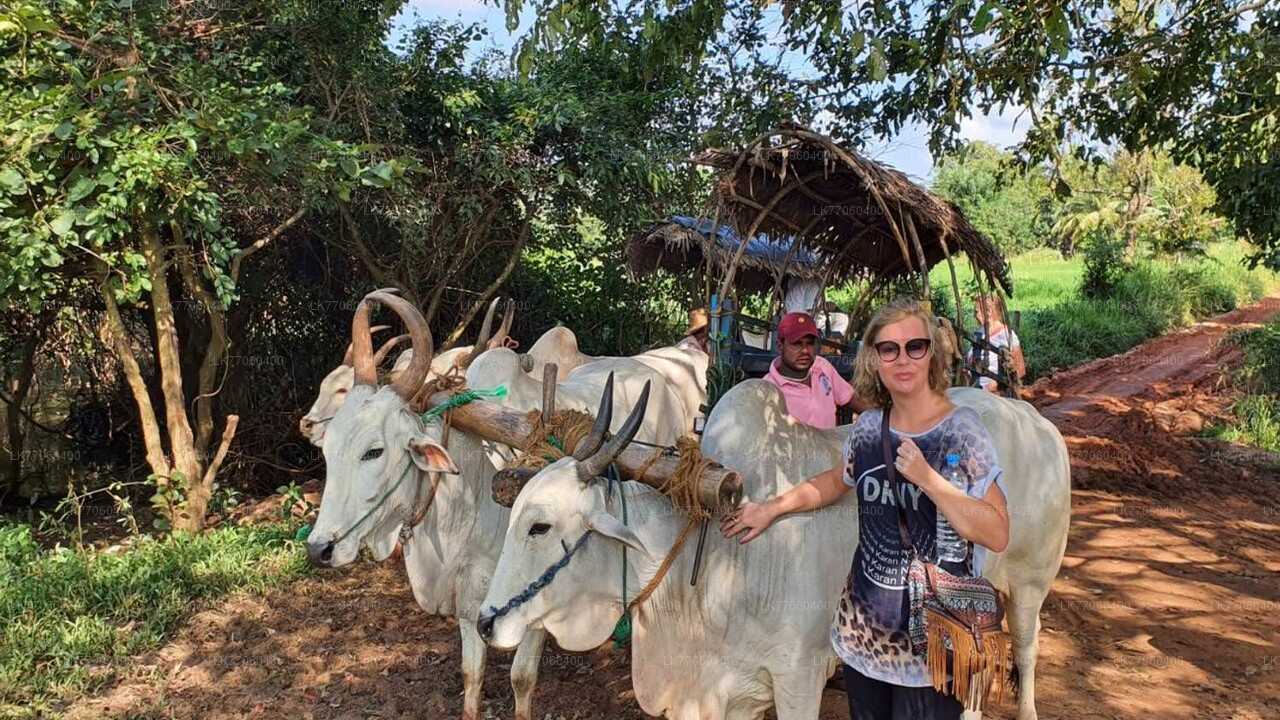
<point>753,632</point>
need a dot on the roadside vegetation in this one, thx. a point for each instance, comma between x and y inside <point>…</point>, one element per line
<point>1257,412</point>
<point>70,615</point>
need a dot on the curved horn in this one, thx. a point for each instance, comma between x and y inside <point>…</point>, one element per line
<point>590,444</point>
<point>504,330</point>
<point>347,357</point>
<point>387,347</point>
<point>413,376</point>
<point>596,464</point>
<point>548,392</point>
<point>482,340</point>
<point>362,346</point>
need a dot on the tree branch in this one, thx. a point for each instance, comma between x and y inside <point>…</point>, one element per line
<point>262,242</point>
<point>493,286</point>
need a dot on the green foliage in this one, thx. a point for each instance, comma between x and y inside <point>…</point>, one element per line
<point>1257,413</point>
<point>1257,422</point>
<point>1145,300</point>
<point>1260,369</point>
<point>1011,206</point>
<point>1104,264</point>
<point>62,610</point>
<point>116,123</point>
<point>1199,76</point>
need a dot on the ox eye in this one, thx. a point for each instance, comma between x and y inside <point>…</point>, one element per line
<point>538,529</point>
<point>371,454</point>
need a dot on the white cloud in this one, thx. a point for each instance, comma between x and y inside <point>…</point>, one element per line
<point>1001,129</point>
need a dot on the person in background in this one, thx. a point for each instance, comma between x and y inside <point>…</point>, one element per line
<point>987,311</point>
<point>801,295</point>
<point>833,322</point>
<point>695,336</point>
<point>809,383</point>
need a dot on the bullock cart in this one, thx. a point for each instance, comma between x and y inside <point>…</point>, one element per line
<point>842,218</point>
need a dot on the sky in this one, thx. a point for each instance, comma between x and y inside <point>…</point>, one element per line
<point>908,151</point>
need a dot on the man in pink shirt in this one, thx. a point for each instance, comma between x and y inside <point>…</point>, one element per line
<point>810,384</point>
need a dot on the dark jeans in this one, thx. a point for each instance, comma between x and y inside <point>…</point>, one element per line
<point>876,700</point>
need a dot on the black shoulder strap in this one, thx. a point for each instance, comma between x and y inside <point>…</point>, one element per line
<point>893,483</point>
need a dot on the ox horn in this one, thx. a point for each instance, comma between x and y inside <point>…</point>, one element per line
<point>347,357</point>
<point>590,444</point>
<point>504,330</point>
<point>387,347</point>
<point>360,351</point>
<point>423,348</point>
<point>414,375</point>
<point>482,340</point>
<point>596,464</point>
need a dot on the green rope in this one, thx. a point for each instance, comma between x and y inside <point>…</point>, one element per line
<point>622,629</point>
<point>376,505</point>
<point>461,399</point>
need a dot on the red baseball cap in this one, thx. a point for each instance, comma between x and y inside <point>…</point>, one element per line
<point>797,325</point>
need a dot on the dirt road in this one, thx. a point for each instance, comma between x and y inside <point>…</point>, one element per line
<point>1168,603</point>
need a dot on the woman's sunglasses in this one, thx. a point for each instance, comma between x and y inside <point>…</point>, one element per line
<point>889,349</point>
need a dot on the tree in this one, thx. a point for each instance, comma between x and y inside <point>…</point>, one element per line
<point>149,154</point>
<point>1198,75</point>
<point>1012,205</point>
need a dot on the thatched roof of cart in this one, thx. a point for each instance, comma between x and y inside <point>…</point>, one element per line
<point>682,243</point>
<point>856,214</point>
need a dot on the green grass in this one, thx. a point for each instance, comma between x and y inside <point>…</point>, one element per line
<point>68,616</point>
<point>1257,414</point>
<point>1060,328</point>
<point>1257,423</point>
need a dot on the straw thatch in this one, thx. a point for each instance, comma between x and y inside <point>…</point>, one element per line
<point>862,218</point>
<point>682,244</point>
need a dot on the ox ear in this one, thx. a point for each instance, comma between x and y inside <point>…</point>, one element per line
<point>610,526</point>
<point>430,456</point>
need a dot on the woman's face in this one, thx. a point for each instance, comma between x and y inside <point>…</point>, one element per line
<point>903,375</point>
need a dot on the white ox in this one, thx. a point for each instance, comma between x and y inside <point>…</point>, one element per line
<point>381,461</point>
<point>753,632</point>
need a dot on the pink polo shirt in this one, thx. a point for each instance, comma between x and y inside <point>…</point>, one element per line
<point>813,403</point>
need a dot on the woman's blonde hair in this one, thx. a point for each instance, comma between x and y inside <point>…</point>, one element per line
<point>866,369</point>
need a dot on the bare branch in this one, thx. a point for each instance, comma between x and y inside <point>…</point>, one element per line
<point>262,242</point>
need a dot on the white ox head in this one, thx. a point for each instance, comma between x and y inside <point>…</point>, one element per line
<point>336,385</point>
<point>339,381</point>
<point>559,507</point>
<point>376,447</point>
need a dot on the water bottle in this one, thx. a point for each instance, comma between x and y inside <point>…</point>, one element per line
<point>951,547</point>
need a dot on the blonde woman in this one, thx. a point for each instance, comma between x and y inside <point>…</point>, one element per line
<point>897,366</point>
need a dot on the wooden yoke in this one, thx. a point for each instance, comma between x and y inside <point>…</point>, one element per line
<point>720,488</point>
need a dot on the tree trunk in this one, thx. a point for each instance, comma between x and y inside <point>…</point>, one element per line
<point>118,339</point>
<point>214,354</point>
<point>186,460</point>
<point>18,388</point>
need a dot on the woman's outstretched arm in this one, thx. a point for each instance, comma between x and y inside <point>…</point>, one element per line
<point>818,491</point>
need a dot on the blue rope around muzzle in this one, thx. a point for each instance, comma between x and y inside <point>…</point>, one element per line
<point>544,580</point>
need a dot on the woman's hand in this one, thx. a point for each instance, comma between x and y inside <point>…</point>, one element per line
<point>912,465</point>
<point>751,517</point>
